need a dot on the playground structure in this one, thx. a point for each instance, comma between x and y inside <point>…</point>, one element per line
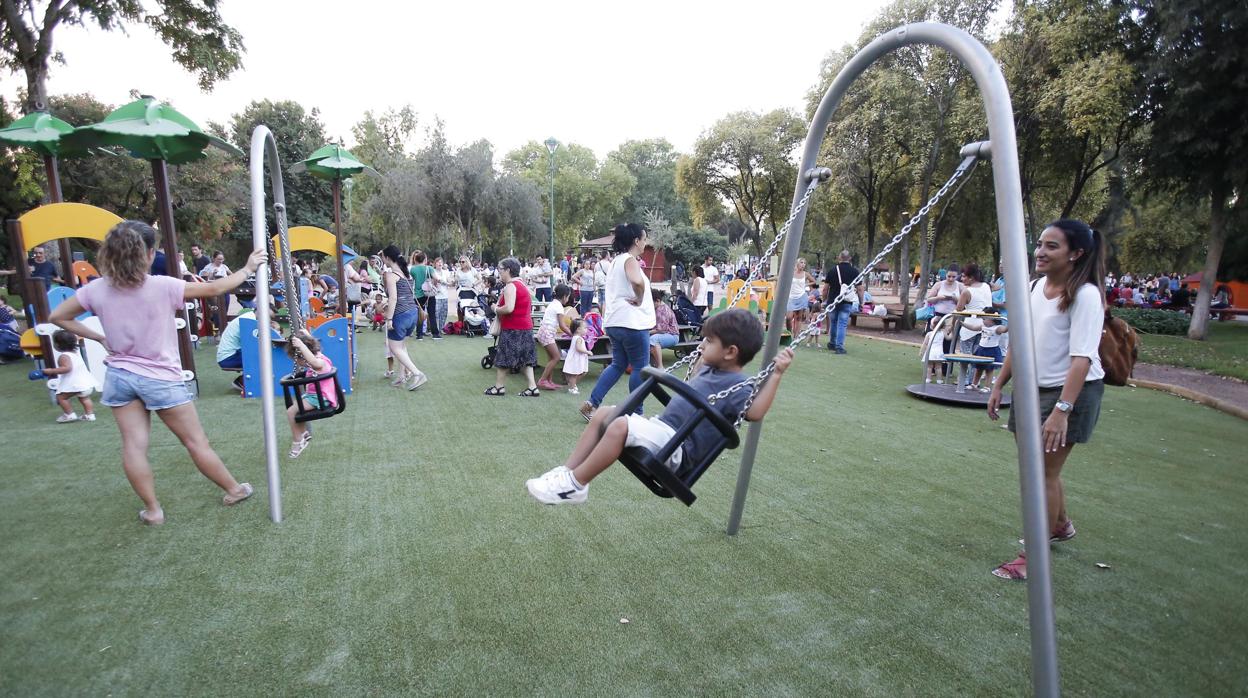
<point>1002,147</point>
<point>335,332</point>
<point>955,392</point>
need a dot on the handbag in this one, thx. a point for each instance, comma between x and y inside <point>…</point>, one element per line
<point>496,327</point>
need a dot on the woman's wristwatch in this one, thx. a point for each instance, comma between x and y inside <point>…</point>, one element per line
<point>1063,406</point>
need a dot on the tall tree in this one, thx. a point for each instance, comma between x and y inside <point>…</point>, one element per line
<point>297,133</point>
<point>589,195</point>
<point>746,159</point>
<point>653,164</point>
<point>1194,63</point>
<point>201,41</point>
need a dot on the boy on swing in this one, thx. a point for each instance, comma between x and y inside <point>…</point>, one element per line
<point>730,340</point>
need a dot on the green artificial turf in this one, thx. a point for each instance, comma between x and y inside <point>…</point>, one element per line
<point>412,561</point>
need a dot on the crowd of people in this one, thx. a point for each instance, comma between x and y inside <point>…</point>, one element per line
<point>580,301</point>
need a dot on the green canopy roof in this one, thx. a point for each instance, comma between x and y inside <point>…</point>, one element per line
<point>151,130</point>
<point>42,133</point>
<point>332,162</point>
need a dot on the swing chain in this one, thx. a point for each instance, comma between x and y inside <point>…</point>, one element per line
<point>691,357</point>
<point>288,271</point>
<point>755,382</point>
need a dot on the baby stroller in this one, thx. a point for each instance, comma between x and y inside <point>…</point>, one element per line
<point>476,320</point>
<point>686,312</point>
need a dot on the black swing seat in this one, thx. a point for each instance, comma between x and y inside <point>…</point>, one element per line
<point>296,380</point>
<point>650,466</point>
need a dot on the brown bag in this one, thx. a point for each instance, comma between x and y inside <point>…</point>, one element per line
<point>1120,347</point>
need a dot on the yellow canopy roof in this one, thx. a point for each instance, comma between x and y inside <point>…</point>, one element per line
<point>65,220</point>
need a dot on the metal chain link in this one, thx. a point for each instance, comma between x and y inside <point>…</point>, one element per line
<point>294,304</point>
<point>691,357</point>
<point>759,378</point>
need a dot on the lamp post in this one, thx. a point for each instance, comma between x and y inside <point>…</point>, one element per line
<point>552,145</point>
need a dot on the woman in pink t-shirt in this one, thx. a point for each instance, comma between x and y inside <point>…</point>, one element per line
<point>144,371</point>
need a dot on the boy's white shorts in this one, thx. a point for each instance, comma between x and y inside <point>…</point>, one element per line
<point>652,434</point>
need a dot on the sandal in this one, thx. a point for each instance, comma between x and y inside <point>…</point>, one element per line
<point>1014,569</point>
<point>297,447</point>
<point>530,392</point>
<point>495,391</point>
<point>231,499</point>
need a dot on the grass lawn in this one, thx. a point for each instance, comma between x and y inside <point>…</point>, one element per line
<point>1224,351</point>
<point>412,561</point>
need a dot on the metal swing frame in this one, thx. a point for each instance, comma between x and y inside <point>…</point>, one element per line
<point>987,74</point>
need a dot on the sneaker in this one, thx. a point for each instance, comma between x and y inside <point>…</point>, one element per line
<point>420,379</point>
<point>556,487</point>
<point>67,418</point>
<point>840,351</point>
<point>985,390</point>
<point>587,411</point>
<point>388,374</point>
<point>574,391</point>
<point>88,418</point>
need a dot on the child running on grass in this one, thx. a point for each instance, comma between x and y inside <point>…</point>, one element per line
<point>577,362</point>
<point>304,349</point>
<point>75,380</point>
<point>730,340</point>
<point>144,372</point>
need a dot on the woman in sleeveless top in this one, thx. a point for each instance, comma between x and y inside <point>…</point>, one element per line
<point>799,299</point>
<point>515,320</point>
<point>401,314</point>
<point>628,317</point>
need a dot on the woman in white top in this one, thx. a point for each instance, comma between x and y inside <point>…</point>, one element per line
<point>976,297</point>
<point>583,280</point>
<point>628,316</point>
<point>698,289</point>
<point>466,280</point>
<point>443,281</point>
<point>799,300</point>
<point>1068,313</point>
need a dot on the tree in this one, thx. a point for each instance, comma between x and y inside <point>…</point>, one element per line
<point>201,42</point>
<point>692,245</point>
<point>653,164</point>
<point>589,195</point>
<point>745,158</point>
<point>309,201</point>
<point>1194,62</point>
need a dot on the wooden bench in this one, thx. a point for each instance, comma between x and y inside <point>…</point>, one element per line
<point>1228,313</point>
<point>889,321</point>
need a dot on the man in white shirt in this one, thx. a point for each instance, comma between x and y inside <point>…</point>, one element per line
<point>710,272</point>
<point>541,272</point>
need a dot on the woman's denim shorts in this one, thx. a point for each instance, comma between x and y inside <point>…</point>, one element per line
<point>403,325</point>
<point>121,387</point>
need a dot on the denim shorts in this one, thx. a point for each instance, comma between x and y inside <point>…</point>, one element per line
<point>403,325</point>
<point>121,387</point>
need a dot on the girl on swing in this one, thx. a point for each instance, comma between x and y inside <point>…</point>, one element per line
<point>730,340</point>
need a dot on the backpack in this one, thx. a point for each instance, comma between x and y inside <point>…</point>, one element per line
<point>1120,347</point>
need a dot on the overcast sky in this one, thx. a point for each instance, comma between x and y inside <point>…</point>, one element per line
<point>592,73</point>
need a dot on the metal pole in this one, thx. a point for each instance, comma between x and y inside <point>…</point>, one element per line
<point>552,204</point>
<point>1000,116</point>
<point>341,276</point>
<point>262,145</point>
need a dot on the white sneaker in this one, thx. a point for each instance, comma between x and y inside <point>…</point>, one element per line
<point>67,418</point>
<point>88,417</point>
<point>556,487</point>
<point>574,391</point>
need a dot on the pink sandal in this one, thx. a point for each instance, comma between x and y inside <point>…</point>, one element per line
<point>1014,569</point>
